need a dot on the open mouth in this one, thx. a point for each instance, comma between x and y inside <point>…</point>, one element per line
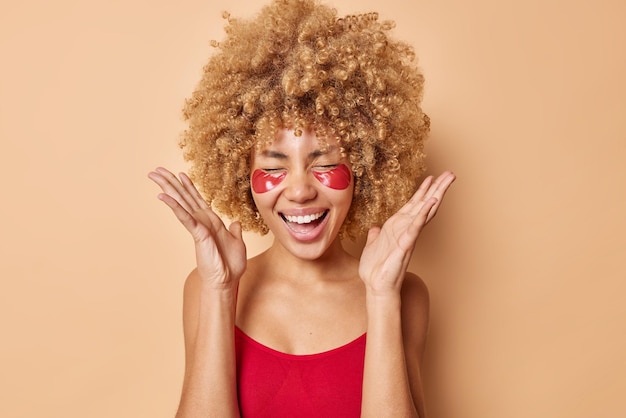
<point>304,224</point>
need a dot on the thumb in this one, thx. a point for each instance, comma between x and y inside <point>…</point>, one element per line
<point>372,234</point>
<point>235,229</point>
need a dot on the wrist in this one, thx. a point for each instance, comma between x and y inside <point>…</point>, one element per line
<point>219,306</point>
<point>383,292</point>
<point>382,300</point>
<point>218,293</point>
<point>219,283</point>
<point>384,317</point>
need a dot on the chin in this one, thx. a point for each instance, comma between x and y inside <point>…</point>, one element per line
<point>311,250</point>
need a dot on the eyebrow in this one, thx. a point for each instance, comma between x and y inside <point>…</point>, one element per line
<point>280,156</point>
<point>274,154</point>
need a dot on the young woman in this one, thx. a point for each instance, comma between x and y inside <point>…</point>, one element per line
<point>310,127</point>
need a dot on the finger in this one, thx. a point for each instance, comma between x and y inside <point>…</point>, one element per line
<point>372,234</point>
<point>443,185</point>
<point>177,190</point>
<point>433,187</point>
<point>235,229</point>
<point>193,191</point>
<point>213,219</point>
<point>408,239</point>
<point>183,189</point>
<point>415,202</point>
<point>165,183</point>
<point>185,218</point>
<point>437,190</point>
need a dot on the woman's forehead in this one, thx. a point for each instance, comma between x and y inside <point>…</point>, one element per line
<point>289,142</point>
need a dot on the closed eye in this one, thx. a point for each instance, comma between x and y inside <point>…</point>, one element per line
<point>274,172</point>
<point>325,167</point>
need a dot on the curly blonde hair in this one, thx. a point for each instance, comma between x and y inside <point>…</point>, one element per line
<point>297,65</point>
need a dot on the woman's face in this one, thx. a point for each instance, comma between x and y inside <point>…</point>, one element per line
<point>303,191</point>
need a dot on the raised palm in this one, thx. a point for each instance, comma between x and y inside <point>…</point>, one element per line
<point>388,249</point>
<point>220,251</point>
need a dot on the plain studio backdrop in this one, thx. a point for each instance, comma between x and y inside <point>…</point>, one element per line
<point>525,261</point>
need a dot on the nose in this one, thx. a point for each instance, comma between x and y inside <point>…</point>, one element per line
<point>299,187</point>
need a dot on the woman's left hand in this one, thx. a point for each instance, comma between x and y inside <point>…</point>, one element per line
<point>388,249</point>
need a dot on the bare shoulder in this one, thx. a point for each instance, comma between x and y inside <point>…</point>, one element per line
<point>192,284</point>
<point>415,296</point>
<point>191,292</point>
<point>415,313</point>
<point>415,308</point>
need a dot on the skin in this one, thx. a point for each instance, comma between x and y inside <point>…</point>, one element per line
<point>305,294</point>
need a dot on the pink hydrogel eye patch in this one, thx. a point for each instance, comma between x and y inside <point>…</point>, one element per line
<point>264,182</point>
<point>338,178</point>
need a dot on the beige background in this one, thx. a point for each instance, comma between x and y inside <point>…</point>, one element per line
<point>525,262</point>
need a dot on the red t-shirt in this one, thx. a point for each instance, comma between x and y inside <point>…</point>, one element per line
<point>273,384</point>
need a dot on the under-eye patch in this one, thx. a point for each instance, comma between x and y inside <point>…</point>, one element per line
<point>263,181</point>
<point>337,178</point>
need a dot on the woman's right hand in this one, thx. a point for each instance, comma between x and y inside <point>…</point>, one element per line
<point>220,252</point>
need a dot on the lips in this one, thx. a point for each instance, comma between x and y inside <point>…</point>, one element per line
<point>305,227</point>
<point>303,219</point>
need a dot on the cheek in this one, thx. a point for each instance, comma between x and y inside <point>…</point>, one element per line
<point>338,178</point>
<point>264,182</point>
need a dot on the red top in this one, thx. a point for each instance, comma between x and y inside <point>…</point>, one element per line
<point>275,384</point>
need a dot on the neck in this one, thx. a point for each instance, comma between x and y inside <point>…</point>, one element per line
<point>332,264</point>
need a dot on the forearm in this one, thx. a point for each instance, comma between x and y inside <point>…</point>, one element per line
<point>210,386</point>
<point>386,387</point>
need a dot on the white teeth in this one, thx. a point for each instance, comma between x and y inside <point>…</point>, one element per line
<point>303,219</point>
